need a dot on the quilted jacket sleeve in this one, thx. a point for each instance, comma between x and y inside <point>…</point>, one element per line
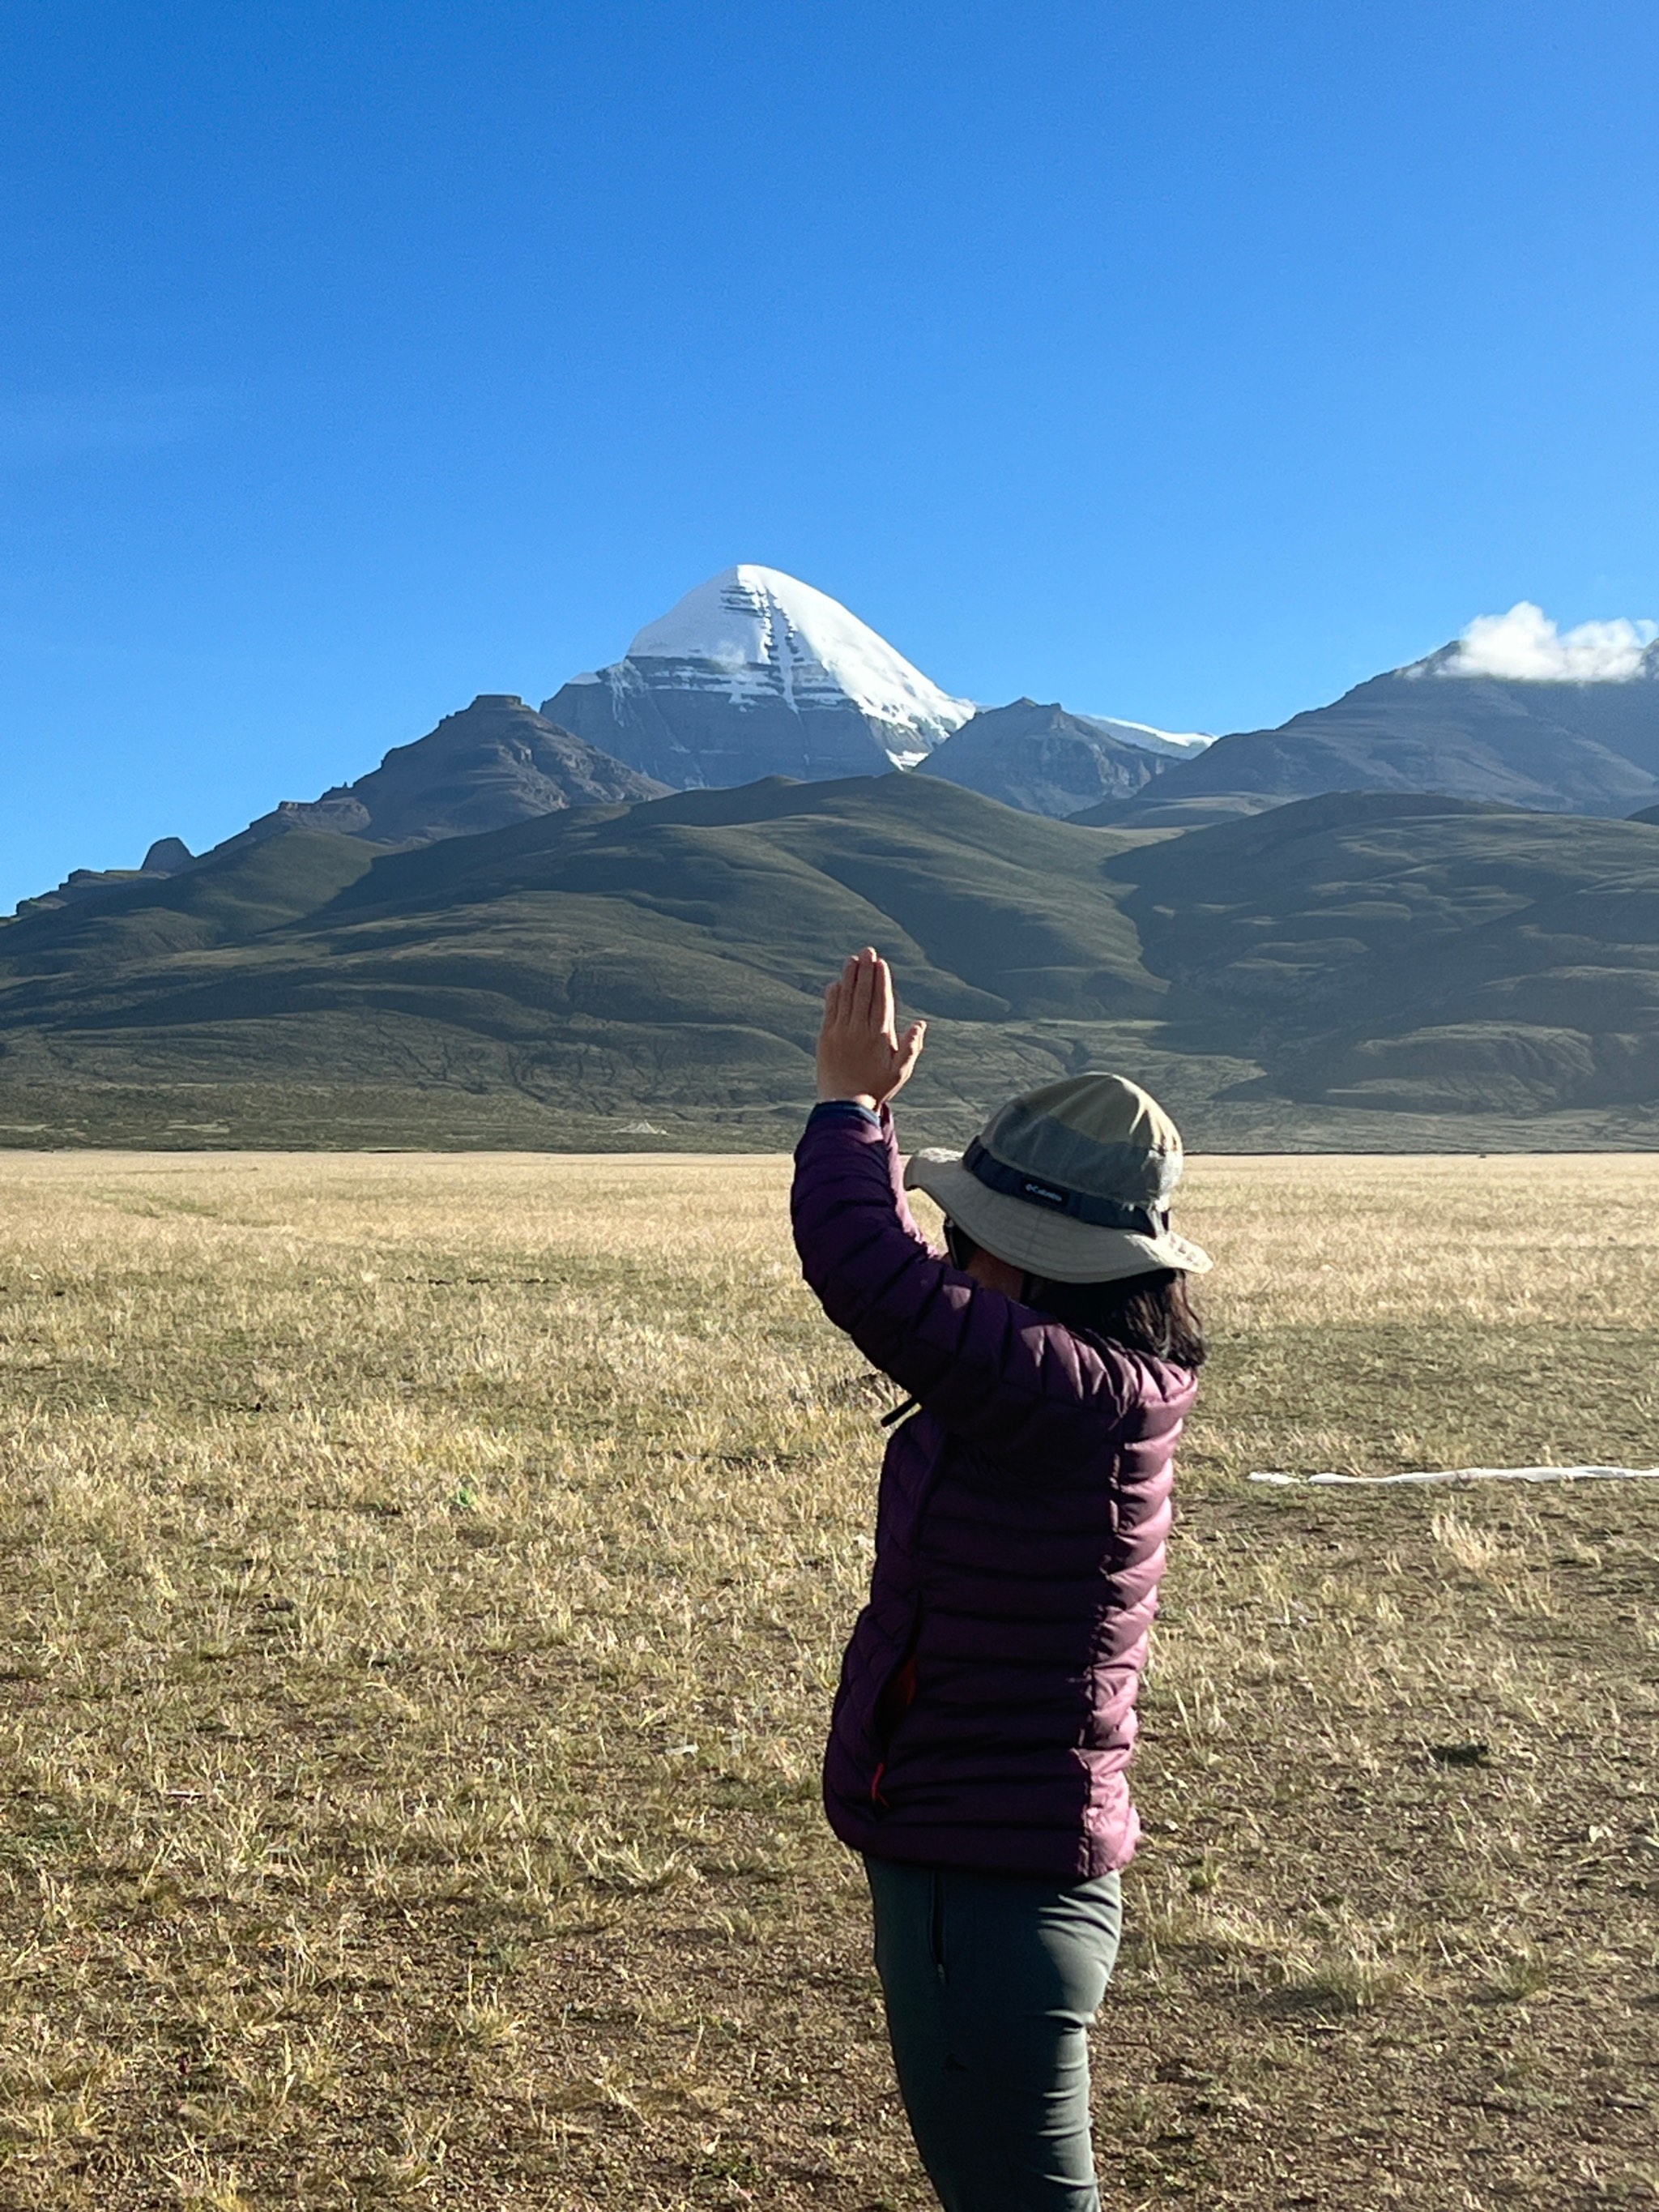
<point>992,1370</point>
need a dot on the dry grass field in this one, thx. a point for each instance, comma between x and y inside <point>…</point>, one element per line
<point>423,1579</point>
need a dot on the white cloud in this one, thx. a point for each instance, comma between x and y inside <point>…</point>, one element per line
<point>1525,647</point>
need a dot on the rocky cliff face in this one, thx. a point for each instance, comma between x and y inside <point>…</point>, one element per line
<point>166,857</point>
<point>1559,748</point>
<point>494,763</point>
<point>1042,759</point>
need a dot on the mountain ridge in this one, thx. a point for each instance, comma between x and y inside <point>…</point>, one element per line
<point>494,762</point>
<point>1042,759</point>
<point>1583,748</point>
<point>756,673</point>
<point>1322,967</point>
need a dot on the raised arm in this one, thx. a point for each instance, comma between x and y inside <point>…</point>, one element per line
<point>985,1365</point>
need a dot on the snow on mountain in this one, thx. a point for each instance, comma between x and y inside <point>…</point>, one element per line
<point>753,631</point>
<point>755,673</point>
<point>1176,744</point>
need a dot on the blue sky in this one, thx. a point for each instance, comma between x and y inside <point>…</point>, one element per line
<point>1186,362</point>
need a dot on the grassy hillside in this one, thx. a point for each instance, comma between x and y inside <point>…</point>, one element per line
<point>228,902</point>
<point>1419,954</point>
<point>1351,971</point>
<point>585,964</point>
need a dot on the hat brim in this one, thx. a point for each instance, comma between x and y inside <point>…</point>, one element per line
<point>1056,1246</point>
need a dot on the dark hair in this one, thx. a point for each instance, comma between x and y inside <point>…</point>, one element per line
<point>1151,1314</point>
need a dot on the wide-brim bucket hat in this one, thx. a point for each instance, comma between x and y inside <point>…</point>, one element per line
<point>1071,1182</point>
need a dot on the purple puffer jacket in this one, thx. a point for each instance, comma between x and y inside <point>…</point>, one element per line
<point>1020,1542</point>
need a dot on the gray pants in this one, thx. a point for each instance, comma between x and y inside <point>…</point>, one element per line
<point>991,1983</point>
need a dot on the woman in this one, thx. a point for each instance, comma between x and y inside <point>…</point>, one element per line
<point>986,1712</point>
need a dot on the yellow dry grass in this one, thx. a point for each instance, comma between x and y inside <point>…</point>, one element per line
<point>425,1580</point>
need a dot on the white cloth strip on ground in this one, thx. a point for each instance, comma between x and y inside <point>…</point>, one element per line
<point>1467,1474</point>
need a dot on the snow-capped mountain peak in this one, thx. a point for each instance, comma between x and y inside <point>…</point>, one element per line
<point>756,633</point>
<point>755,673</point>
